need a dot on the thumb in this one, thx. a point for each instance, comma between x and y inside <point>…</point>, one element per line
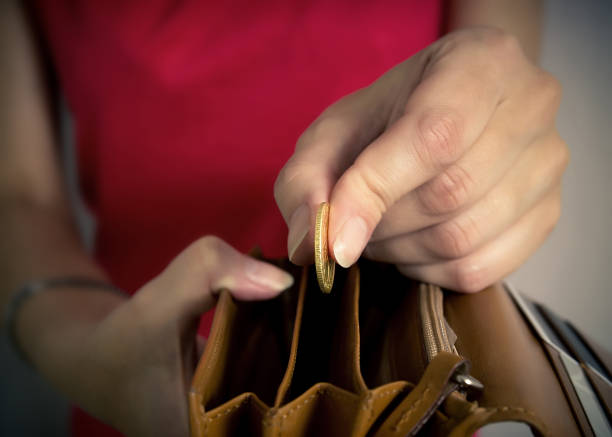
<point>189,284</point>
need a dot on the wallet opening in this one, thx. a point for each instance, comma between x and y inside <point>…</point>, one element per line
<point>256,339</point>
<point>329,352</point>
<point>392,347</point>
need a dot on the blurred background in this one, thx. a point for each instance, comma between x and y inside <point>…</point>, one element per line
<point>571,273</point>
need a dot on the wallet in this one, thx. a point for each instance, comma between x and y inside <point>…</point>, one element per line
<point>385,355</point>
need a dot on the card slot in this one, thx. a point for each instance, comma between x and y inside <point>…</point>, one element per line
<point>289,372</point>
<point>328,344</point>
<point>390,332</point>
<point>248,348</point>
<point>238,417</point>
<point>324,410</point>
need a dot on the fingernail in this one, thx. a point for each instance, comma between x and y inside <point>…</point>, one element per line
<point>299,224</point>
<point>268,276</point>
<point>350,241</point>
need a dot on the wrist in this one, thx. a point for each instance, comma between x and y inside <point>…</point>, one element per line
<point>48,326</point>
<point>54,330</point>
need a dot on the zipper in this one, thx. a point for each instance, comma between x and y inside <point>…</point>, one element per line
<point>438,336</point>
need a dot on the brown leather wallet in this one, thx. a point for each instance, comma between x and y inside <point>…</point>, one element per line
<point>381,355</point>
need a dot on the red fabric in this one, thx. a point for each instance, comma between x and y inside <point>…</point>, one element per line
<point>185,111</point>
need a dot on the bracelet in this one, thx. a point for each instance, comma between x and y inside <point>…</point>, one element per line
<point>35,287</point>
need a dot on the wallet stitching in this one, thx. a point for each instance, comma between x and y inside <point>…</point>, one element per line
<point>367,406</point>
<point>370,400</point>
<point>320,391</point>
<point>301,403</point>
<point>520,410</point>
<point>387,392</point>
<point>406,414</point>
<point>226,411</point>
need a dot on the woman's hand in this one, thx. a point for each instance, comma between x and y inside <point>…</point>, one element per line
<point>449,165</point>
<point>136,365</point>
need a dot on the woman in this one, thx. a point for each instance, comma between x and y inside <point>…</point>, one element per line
<point>443,158</point>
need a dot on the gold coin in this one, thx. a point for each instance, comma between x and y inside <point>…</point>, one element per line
<point>324,264</point>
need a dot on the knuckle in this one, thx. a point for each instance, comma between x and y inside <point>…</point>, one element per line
<point>469,277</point>
<point>550,90</point>
<point>450,42</point>
<point>206,251</point>
<point>561,158</point>
<point>501,42</point>
<point>556,162</point>
<point>447,192</point>
<point>543,92</point>
<point>324,127</point>
<point>551,84</point>
<point>209,243</point>
<point>454,239</point>
<point>438,138</point>
<point>497,53</point>
<point>564,155</point>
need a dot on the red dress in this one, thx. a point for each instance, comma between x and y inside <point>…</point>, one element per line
<point>185,111</point>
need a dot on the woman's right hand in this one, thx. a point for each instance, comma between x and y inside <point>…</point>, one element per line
<point>134,368</point>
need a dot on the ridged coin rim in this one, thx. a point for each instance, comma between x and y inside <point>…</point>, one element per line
<point>324,264</point>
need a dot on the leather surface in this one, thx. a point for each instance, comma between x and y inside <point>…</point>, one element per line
<point>418,405</point>
<point>510,361</point>
<point>352,363</point>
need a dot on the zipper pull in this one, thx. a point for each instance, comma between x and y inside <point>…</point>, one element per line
<point>467,383</point>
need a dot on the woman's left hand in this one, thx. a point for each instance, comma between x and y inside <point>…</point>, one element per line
<point>449,165</point>
<point>133,368</point>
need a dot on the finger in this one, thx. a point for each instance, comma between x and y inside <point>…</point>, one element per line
<point>483,166</point>
<point>531,181</point>
<point>323,152</point>
<point>443,117</point>
<point>189,283</point>
<point>448,241</point>
<point>496,259</point>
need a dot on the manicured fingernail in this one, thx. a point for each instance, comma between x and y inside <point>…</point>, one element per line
<point>299,224</point>
<point>268,276</point>
<point>350,241</point>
